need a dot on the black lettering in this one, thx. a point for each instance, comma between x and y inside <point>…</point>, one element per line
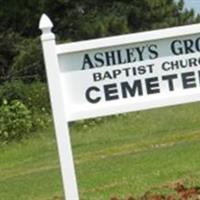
<point>188,44</point>
<point>88,95</point>
<point>97,76</point>
<point>87,61</point>
<point>199,76</point>
<point>197,44</point>
<point>111,92</point>
<point>130,55</point>
<point>107,75</point>
<point>140,51</point>
<point>127,89</point>
<point>170,79</point>
<point>127,71</point>
<point>177,50</point>
<point>175,64</point>
<point>188,80</point>
<point>116,73</point>
<point>166,66</point>
<point>141,70</point>
<point>150,67</point>
<point>98,57</point>
<point>110,58</point>
<point>193,62</point>
<point>182,63</point>
<point>119,57</point>
<point>152,85</point>
<point>153,50</point>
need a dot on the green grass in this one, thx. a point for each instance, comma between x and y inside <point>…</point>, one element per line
<point>29,170</point>
<point>128,154</point>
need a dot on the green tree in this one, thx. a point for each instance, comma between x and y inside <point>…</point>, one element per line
<point>8,51</point>
<point>76,20</point>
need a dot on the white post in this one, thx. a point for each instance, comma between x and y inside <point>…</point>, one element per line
<point>61,126</point>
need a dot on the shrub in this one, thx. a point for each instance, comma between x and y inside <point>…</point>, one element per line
<point>28,63</point>
<point>15,121</point>
<point>25,110</point>
<point>35,95</point>
<point>41,120</point>
<point>8,42</point>
<point>14,90</point>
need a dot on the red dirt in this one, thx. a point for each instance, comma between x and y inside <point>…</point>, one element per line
<point>181,192</point>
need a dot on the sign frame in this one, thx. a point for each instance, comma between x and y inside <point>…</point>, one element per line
<point>51,51</point>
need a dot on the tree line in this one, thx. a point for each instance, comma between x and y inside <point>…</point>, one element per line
<point>20,49</point>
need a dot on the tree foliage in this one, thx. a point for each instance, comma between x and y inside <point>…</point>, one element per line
<point>20,51</point>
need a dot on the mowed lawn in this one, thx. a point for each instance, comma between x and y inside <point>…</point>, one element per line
<point>118,156</point>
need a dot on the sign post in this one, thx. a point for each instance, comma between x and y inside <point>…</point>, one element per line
<point>115,75</point>
<point>61,125</point>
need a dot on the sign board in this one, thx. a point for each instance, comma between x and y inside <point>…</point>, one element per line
<point>115,75</point>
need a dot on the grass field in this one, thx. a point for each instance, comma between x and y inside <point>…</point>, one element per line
<point>128,154</point>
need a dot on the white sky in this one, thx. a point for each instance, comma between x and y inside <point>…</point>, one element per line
<point>195,4</point>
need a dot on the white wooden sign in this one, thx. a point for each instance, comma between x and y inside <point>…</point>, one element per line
<point>116,75</point>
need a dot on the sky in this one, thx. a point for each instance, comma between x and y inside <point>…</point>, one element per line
<point>195,4</point>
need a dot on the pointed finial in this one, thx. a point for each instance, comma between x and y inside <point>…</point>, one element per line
<point>45,26</point>
<point>45,22</point>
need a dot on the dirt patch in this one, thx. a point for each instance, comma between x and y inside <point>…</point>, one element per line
<point>179,192</point>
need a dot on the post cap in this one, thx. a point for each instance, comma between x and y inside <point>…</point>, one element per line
<point>45,22</point>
